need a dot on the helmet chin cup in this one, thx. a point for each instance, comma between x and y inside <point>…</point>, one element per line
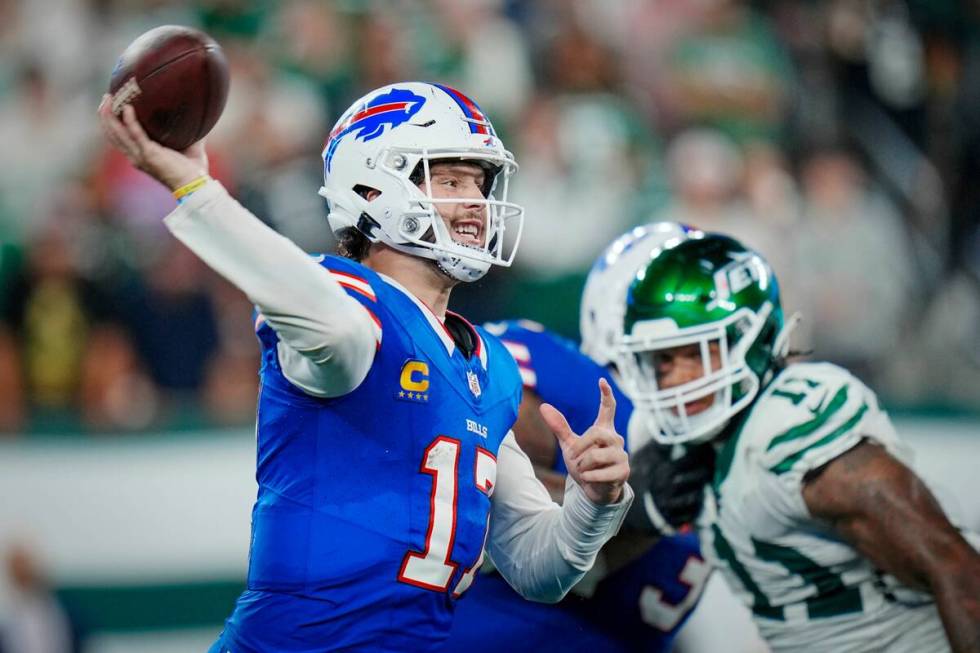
<point>460,268</point>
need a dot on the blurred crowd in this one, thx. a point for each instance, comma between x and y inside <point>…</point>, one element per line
<point>841,138</point>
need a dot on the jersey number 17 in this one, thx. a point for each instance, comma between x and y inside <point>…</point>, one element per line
<point>431,568</point>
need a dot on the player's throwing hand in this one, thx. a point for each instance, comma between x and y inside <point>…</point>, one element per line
<point>597,459</point>
<point>170,167</point>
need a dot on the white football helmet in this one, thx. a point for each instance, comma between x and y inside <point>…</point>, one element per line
<point>386,142</point>
<point>604,297</point>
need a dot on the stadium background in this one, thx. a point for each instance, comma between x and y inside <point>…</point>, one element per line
<point>841,138</point>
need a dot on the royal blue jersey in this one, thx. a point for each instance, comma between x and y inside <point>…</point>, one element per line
<point>372,507</point>
<point>553,368</point>
<point>639,607</point>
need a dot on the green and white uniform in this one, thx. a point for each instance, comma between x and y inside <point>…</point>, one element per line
<point>807,588</point>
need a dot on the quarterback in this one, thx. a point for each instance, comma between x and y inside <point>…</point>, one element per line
<point>813,514</point>
<point>386,463</point>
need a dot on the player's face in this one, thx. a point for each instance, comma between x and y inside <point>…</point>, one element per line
<point>466,221</point>
<point>679,365</point>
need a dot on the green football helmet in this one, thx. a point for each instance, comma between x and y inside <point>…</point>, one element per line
<point>716,298</point>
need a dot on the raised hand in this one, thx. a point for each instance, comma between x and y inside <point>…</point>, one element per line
<point>171,168</point>
<point>596,459</point>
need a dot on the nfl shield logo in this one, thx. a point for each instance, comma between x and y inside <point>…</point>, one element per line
<point>474,383</point>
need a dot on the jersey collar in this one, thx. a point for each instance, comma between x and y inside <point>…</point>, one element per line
<point>437,326</point>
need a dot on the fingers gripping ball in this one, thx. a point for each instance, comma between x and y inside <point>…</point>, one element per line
<point>176,78</point>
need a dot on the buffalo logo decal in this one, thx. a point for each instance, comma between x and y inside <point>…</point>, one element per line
<point>380,113</point>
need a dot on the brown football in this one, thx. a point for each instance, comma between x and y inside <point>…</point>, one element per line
<point>176,78</point>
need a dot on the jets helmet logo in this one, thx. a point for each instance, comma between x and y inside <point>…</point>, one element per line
<point>744,270</point>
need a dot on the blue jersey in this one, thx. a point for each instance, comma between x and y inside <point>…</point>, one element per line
<point>372,507</point>
<point>554,369</point>
<point>639,607</point>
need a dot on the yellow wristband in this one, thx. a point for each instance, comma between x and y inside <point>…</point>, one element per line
<point>190,187</point>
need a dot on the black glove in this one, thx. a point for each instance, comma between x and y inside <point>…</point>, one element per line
<point>669,486</point>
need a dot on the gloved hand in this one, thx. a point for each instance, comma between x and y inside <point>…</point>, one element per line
<point>669,485</point>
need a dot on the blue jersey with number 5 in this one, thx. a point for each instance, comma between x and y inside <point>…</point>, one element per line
<point>639,607</point>
<point>372,507</point>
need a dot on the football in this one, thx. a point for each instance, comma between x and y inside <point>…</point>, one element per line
<point>176,78</point>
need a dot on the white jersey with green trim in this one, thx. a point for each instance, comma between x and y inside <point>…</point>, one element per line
<point>807,588</point>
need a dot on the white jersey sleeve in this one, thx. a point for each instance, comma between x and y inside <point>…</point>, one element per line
<point>543,549</point>
<point>328,340</point>
<point>808,588</point>
<point>810,415</point>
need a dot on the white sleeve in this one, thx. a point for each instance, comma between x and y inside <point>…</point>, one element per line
<point>327,339</point>
<point>543,549</point>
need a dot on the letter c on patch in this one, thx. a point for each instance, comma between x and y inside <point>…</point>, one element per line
<point>415,376</point>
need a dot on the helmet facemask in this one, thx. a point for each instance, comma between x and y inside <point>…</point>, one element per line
<point>732,383</point>
<point>502,221</point>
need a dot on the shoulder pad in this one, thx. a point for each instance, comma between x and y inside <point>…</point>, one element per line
<point>807,408</point>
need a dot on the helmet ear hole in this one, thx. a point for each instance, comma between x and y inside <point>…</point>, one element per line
<point>490,172</point>
<point>418,174</point>
<point>366,192</point>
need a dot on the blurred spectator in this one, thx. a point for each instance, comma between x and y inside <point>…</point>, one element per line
<point>382,51</point>
<point>729,71</point>
<point>51,310</point>
<point>36,622</point>
<point>492,61</point>
<point>46,136</point>
<point>965,167</point>
<point>231,379</point>
<point>242,19</point>
<point>12,405</point>
<point>854,264</point>
<point>313,39</point>
<point>584,155</point>
<point>715,188</point>
<point>172,319</point>
<point>938,364</point>
<point>584,92</point>
<point>273,130</point>
<point>115,390</point>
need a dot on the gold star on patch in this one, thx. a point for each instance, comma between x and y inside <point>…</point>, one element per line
<point>401,394</point>
<point>411,396</point>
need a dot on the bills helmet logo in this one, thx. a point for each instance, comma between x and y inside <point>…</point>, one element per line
<point>380,113</point>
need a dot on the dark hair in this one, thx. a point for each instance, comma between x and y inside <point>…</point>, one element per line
<point>352,244</point>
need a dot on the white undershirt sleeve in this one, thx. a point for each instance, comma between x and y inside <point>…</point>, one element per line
<point>327,339</point>
<point>543,549</point>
